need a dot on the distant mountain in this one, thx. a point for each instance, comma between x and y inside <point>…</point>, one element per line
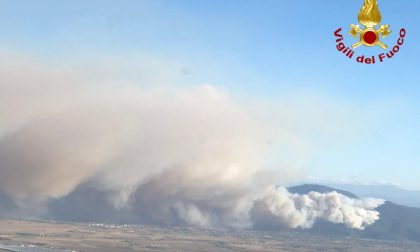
<point>386,192</point>
<point>396,222</point>
<point>7,206</point>
<point>87,204</point>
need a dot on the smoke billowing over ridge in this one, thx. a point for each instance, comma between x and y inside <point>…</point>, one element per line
<point>167,155</point>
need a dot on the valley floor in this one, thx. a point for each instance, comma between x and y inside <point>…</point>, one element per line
<point>129,238</point>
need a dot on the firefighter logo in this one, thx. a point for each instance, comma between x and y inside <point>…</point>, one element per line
<point>369,35</point>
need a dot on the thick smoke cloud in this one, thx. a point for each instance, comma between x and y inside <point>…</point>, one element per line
<point>277,207</point>
<point>177,156</point>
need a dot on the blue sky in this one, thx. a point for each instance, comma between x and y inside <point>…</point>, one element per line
<point>269,50</point>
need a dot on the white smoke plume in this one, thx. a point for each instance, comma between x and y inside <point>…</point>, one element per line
<point>189,156</point>
<point>280,207</point>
